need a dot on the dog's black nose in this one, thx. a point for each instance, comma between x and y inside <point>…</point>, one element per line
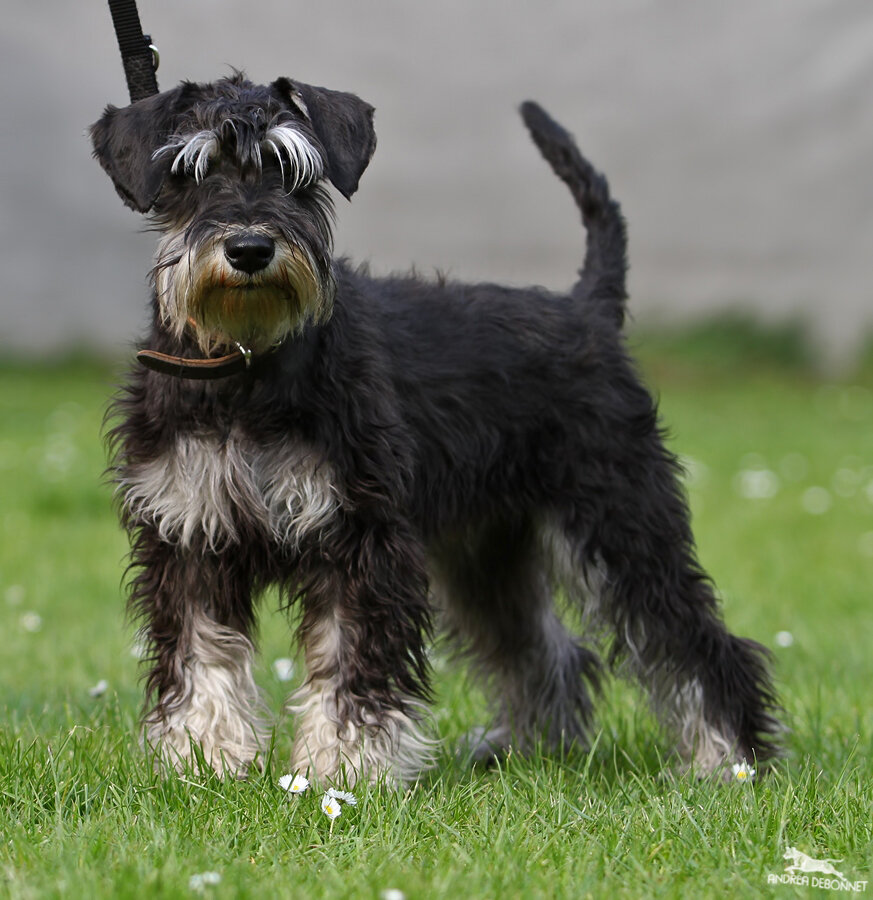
<point>249,252</point>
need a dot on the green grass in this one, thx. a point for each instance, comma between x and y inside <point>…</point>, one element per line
<point>82,814</point>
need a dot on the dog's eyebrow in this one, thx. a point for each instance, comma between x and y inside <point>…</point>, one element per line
<point>194,154</point>
<point>305,160</point>
<point>290,146</point>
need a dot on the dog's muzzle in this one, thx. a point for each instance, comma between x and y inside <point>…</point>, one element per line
<point>245,288</point>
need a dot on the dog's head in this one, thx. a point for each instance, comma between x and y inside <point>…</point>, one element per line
<point>232,174</point>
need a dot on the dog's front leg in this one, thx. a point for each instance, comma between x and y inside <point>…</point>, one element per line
<point>363,631</point>
<point>196,607</point>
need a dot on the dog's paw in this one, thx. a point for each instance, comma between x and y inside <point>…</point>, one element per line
<point>484,746</point>
<point>187,753</point>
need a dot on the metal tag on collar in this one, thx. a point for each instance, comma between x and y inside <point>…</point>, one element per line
<point>247,354</point>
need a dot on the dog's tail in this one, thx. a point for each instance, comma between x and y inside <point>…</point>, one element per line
<point>602,276</point>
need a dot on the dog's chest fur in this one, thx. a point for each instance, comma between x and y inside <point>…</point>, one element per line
<point>206,486</point>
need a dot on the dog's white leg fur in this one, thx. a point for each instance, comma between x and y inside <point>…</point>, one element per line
<point>330,744</point>
<point>217,705</point>
<point>703,747</point>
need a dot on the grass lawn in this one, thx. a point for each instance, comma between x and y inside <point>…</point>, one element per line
<point>780,477</point>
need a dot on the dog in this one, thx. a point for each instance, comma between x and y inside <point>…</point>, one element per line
<point>397,455</point>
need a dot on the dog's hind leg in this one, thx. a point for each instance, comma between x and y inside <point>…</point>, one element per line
<point>197,617</point>
<point>494,587</point>
<point>630,521</point>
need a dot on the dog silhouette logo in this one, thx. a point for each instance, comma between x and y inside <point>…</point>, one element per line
<point>800,862</point>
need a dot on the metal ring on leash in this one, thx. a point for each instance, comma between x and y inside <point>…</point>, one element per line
<point>139,55</point>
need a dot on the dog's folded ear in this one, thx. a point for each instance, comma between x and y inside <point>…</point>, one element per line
<point>343,124</point>
<point>125,140</point>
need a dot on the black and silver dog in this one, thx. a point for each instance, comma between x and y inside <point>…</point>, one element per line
<point>390,452</point>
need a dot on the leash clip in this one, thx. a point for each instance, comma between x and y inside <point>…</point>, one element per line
<point>156,55</point>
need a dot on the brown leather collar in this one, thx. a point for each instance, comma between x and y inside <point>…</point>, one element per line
<point>201,369</point>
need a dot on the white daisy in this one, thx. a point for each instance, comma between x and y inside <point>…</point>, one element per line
<point>742,771</point>
<point>203,880</point>
<point>283,668</point>
<point>293,784</point>
<point>345,796</point>
<point>99,689</point>
<point>31,621</point>
<point>331,807</point>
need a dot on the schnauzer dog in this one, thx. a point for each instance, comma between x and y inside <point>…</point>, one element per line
<point>393,453</point>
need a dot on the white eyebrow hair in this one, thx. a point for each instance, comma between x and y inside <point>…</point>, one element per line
<point>299,161</point>
<point>305,160</point>
<point>194,154</point>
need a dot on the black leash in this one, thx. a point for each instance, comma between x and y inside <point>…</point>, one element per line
<point>140,59</point>
<point>138,55</point>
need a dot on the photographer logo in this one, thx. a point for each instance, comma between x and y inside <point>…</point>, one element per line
<point>803,870</point>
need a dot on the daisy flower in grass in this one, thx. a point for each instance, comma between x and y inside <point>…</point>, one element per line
<point>331,807</point>
<point>344,796</point>
<point>293,784</point>
<point>332,802</point>
<point>203,880</point>
<point>31,622</point>
<point>283,668</point>
<point>742,771</point>
<point>99,689</point>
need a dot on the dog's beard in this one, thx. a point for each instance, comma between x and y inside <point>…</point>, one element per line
<point>198,289</point>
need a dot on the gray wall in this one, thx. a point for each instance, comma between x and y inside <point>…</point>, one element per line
<point>737,135</point>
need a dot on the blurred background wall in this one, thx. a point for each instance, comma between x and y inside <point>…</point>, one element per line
<point>738,137</point>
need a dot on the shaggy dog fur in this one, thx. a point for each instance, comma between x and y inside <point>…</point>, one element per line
<point>397,454</point>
